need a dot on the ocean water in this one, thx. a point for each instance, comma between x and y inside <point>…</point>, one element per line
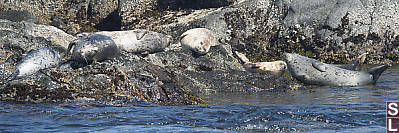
<point>320,109</point>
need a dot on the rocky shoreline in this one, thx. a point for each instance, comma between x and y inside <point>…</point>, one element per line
<point>331,31</point>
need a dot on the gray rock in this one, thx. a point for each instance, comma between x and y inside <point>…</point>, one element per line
<point>173,77</point>
<point>333,31</point>
<point>18,16</point>
<point>18,34</point>
<point>87,13</point>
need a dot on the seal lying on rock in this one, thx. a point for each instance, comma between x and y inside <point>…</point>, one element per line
<point>311,71</point>
<point>276,68</point>
<point>138,41</point>
<point>34,61</point>
<point>198,40</point>
<point>95,47</point>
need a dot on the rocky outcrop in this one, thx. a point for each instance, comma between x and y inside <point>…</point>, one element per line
<point>172,77</point>
<point>347,28</point>
<point>333,31</point>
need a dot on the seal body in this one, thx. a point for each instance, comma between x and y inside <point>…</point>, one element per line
<point>311,71</point>
<point>95,47</point>
<point>34,61</point>
<point>198,40</point>
<point>139,41</point>
<point>276,67</point>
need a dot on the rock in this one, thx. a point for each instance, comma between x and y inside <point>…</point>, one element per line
<point>173,17</point>
<point>87,13</point>
<point>173,77</point>
<point>333,31</point>
<point>347,28</point>
<point>28,36</point>
<point>18,16</point>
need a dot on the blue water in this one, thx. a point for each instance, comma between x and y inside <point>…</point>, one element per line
<point>323,109</point>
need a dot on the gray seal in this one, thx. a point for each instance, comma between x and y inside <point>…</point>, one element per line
<point>95,47</point>
<point>138,41</point>
<point>35,61</point>
<point>198,40</point>
<point>311,71</point>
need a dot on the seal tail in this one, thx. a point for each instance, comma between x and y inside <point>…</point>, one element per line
<point>377,71</point>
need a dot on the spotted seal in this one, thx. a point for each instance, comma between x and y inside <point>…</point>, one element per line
<point>35,61</point>
<point>138,41</point>
<point>275,67</point>
<point>198,40</point>
<point>94,47</point>
<point>311,71</point>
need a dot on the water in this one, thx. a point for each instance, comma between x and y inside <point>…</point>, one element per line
<point>336,109</point>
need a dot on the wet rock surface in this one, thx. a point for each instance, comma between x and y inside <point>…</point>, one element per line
<point>332,31</point>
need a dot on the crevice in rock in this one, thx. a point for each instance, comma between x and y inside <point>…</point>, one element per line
<point>113,22</point>
<point>193,4</point>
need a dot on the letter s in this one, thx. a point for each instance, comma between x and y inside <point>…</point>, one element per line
<point>394,109</point>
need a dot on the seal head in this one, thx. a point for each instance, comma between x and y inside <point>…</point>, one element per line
<point>198,40</point>
<point>95,47</point>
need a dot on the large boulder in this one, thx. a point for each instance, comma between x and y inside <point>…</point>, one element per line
<point>19,34</point>
<point>71,16</point>
<point>340,29</point>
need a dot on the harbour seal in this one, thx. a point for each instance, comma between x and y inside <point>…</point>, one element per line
<point>95,47</point>
<point>35,61</point>
<point>276,67</point>
<point>198,40</point>
<point>138,41</point>
<point>311,71</point>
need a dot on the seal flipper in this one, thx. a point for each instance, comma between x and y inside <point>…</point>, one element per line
<point>377,71</point>
<point>70,46</point>
<point>251,66</point>
<point>11,77</point>
<point>355,64</point>
<point>359,61</point>
<point>319,66</point>
<point>140,34</point>
<point>144,54</point>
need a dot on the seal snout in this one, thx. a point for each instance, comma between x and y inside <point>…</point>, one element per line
<point>201,50</point>
<point>287,57</point>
